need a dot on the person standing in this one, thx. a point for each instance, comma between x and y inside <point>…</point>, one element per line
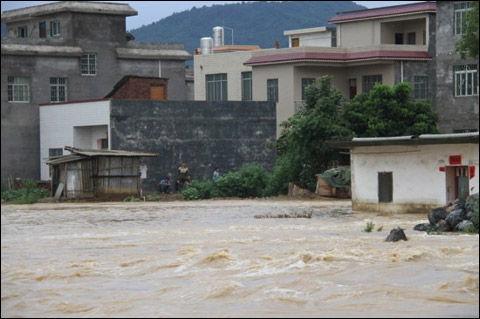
<point>216,174</point>
<point>182,176</point>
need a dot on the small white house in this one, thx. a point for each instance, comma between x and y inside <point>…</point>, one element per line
<point>411,174</point>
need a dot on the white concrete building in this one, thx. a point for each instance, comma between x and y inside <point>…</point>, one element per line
<point>81,124</point>
<point>412,174</point>
<point>312,37</point>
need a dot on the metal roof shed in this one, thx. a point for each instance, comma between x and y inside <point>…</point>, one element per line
<point>97,173</point>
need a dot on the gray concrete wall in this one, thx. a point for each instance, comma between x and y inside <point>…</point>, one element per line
<point>455,113</point>
<point>204,134</point>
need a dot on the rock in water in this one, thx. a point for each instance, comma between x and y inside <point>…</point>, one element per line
<point>396,234</point>
<point>436,215</point>
<point>423,227</point>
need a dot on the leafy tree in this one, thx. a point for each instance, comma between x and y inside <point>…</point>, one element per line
<point>388,111</point>
<point>301,150</point>
<point>468,44</point>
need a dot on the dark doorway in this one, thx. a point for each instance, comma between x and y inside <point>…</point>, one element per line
<point>398,38</point>
<point>457,183</point>
<point>385,187</point>
<point>42,30</point>
<point>352,83</point>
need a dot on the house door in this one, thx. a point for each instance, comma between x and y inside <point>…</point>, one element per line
<point>457,183</point>
<point>385,187</point>
<point>398,38</point>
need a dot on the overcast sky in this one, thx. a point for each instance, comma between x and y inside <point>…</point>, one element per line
<point>152,11</point>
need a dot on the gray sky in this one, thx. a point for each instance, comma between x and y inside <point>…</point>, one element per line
<point>152,11</point>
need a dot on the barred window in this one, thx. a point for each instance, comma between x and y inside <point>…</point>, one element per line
<point>217,87</point>
<point>247,86</point>
<point>420,87</point>
<point>89,64</point>
<point>369,81</point>
<point>272,90</point>
<point>58,89</point>
<point>18,89</point>
<point>460,16</point>
<point>465,80</point>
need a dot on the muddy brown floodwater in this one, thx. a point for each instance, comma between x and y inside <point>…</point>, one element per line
<point>214,259</point>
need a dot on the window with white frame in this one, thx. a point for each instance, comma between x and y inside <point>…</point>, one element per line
<point>466,80</point>
<point>369,81</point>
<point>55,152</point>
<point>58,89</point>
<point>88,64</point>
<point>247,86</point>
<point>54,28</point>
<point>22,32</point>
<point>272,90</point>
<point>460,15</point>
<point>18,89</point>
<point>420,87</point>
<point>216,87</point>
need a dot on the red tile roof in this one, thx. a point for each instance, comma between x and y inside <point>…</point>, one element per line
<point>384,12</point>
<point>339,57</point>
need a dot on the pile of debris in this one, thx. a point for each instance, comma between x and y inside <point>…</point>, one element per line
<point>298,214</point>
<point>460,216</point>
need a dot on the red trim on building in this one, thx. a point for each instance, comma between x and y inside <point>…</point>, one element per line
<point>418,7</point>
<point>339,57</point>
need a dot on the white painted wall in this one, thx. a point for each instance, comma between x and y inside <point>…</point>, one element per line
<point>317,39</point>
<point>57,122</point>
<point>416,175</point>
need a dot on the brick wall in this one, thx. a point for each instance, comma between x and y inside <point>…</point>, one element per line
<point>138,88</point>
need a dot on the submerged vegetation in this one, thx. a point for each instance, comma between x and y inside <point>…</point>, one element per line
<point>29,193</point>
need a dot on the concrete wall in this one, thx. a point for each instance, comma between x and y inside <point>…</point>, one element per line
<point>71,124</point>
<point>230,63</point>
<point>455,113</point>
<point>418,183</point>
<point>204,134</point>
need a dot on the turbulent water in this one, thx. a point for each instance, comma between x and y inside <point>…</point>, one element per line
<point>214,259</point>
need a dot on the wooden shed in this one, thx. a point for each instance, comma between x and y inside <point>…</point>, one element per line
<point>97,173</point>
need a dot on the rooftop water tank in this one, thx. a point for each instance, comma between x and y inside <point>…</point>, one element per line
<point>218,36</point>
<point>206,45</point>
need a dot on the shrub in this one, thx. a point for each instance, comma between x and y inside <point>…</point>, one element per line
<point>369,227</point>
<point>29,194</point>
<point>190,193</point>
<point>132,199</point>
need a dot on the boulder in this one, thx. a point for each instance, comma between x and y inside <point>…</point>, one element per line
<point>463,225</point>
<point>455,217</point>
<point>396,234</point>
<point>436,215</point>
<point>442,225</point>
<point>423,227</point>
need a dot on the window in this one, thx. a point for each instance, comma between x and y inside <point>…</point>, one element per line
<point>55,28</point>
<point>247,86</point>
<point>460,16</point>
<point>369,81</point>
<point>398,38</point>
<point>18,89</point>
<point>420,87</point>
<point>295,42</point>
<point>411,38</point>
<point>54,152</point>
<point>305,83</point>
<point>89,64</point>
<point>272,90</point>
<point>465,80</point>
<point>58,89</point>
<point>217,87</point>
<point>22,32</point>
<point>42,29</point>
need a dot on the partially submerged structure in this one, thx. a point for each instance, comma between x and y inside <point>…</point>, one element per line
<point>97,173</point>
<point>412,173</point>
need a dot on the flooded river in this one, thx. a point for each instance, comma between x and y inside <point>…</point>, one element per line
<point>214,259</point>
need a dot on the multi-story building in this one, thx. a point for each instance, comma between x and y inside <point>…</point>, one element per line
<point>457,78</point>
<point>69,51</point>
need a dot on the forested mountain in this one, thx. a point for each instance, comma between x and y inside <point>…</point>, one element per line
<point>260,23</point>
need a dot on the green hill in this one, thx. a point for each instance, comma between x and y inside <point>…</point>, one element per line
<point>260,23</point>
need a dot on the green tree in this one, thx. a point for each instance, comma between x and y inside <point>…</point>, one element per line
<point>301,150</point>
<point>388,111</point>
<point>467,46</point>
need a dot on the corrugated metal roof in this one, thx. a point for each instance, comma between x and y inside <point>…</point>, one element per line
<point>426,139</point>
<point>339,57</point>
<point>376,13</point>
<point>90,153</point>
